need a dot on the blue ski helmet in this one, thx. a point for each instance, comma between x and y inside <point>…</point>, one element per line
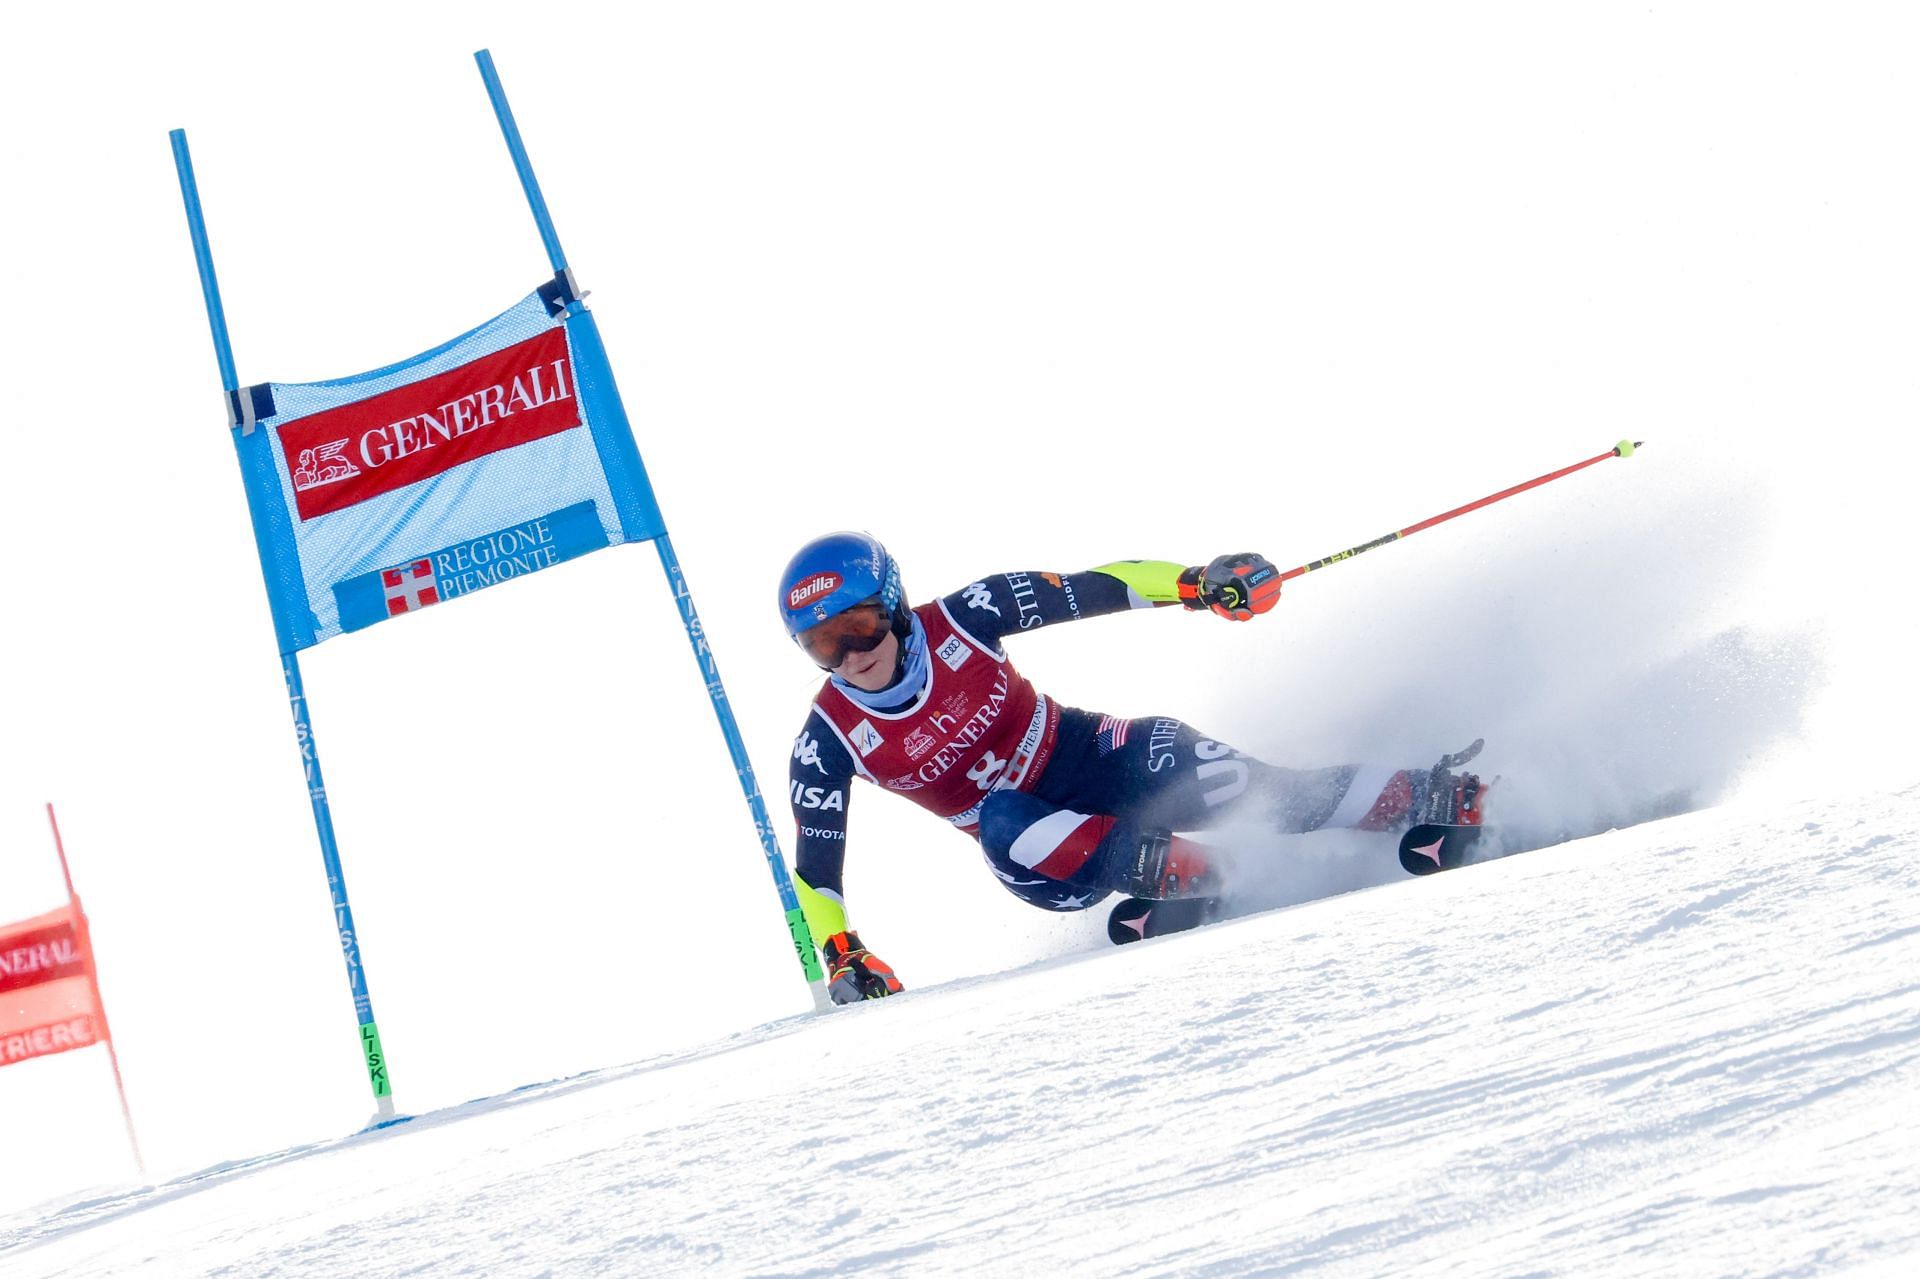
<point>831,574</point>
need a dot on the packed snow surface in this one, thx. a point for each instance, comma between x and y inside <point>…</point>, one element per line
<point>1690,1047</point>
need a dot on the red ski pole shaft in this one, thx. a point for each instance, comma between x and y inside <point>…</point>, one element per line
<point>1624,448</point>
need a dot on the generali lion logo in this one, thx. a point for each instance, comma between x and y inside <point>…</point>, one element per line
<point>326,464</point>
<point>812,589</point>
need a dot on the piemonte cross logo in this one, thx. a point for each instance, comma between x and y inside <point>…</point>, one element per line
<point>358,451</point>
<point>409,587</point>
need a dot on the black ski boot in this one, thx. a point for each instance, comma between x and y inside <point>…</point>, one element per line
<point>1166,866</point>
<point>1174,884</point>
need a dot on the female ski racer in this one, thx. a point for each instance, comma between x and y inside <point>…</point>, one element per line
<point>1069,806</point>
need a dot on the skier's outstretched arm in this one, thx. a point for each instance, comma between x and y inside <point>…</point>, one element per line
<point>1234,586</point>
<point>819,784</point>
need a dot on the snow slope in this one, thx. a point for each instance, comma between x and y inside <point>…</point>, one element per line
<point>1691,1047</point>
<point>1391,257</point>
<point>1388,257</point>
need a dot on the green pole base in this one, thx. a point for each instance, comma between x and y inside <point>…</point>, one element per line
<point>376,1065</point>
<point>803,945</point>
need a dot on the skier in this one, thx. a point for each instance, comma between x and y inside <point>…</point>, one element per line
<point>1068,806</point>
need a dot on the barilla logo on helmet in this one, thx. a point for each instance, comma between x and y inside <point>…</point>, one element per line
<point>812,589</point>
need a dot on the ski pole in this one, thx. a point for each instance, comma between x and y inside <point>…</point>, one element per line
<point>1624,448</point>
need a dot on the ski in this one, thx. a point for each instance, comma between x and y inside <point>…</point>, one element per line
<point>1429,848</point>
<point>1137,918</point>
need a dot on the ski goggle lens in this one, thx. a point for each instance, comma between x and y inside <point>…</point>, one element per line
<point>860,629</point>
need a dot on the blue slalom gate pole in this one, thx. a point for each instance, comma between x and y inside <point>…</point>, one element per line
<point>696,636</point>
<point>376,1060</point>
<point>497,95</point>
<point>743,767</point>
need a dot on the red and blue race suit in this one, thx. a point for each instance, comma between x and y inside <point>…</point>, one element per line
<point>1059,798</point>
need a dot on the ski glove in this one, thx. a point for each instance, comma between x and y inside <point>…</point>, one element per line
<point>854,972</point>
<point>1234,586</point>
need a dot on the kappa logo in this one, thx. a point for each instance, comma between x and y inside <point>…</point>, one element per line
<point>954,652</point>
<point>323,464</point>
<point>978,596</point>
<point>807,751</point>
<point>866,738</point>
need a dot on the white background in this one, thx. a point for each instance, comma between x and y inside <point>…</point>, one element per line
<point>1012,286</point>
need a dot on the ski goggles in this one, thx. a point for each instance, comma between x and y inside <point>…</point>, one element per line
<point>860,629</point>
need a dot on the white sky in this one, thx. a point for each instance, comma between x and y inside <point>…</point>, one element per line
<point>1011,285</point>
